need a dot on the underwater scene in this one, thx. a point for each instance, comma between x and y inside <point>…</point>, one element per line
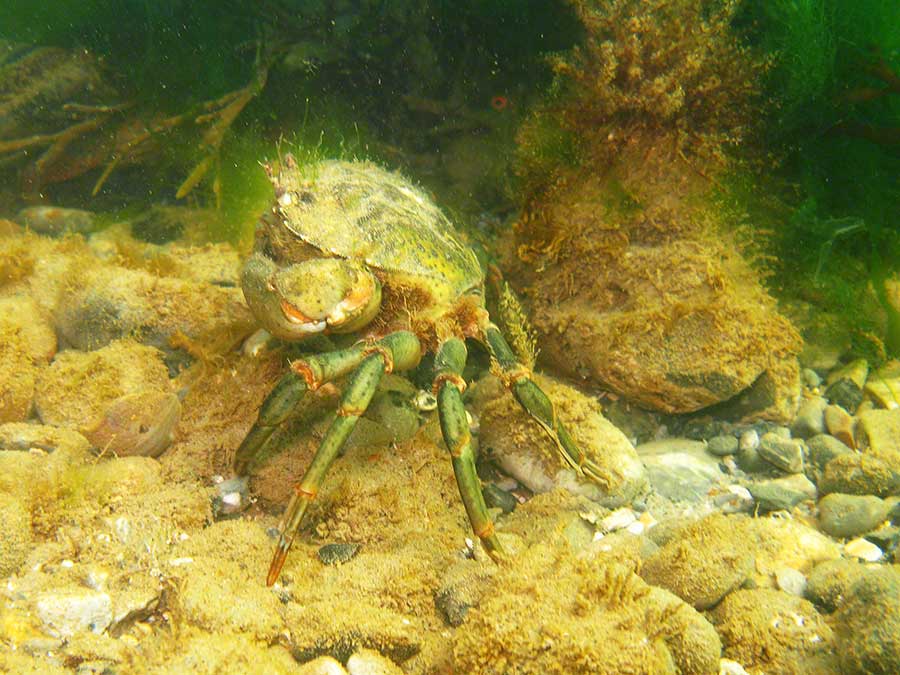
<point>450,337</point>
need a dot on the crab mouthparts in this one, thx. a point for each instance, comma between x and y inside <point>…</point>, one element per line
<point>299,319</point>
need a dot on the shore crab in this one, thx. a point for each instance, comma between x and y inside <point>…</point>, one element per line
<point>351,248</point>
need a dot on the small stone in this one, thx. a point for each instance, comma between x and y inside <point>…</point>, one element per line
<point>810,378</point>
<point>830,581</point>
<point>750,461</point>
<point>734,499</point>
<point>370,662</point>
<point>884,385</point>
<point>496,498</point>
<point>863,549</point>
<point>729,667</point>
<point>749,440</point>
<point>618,519</point>
<point>55,220</point>
<point>880,432</point>
<point>231,498</point>
<point>451,606</point>
<point>823,448</point>
<point>722,445</point>
<point>782,494</point>
<point>67,612</point>
<point>791,581</point>
<point>782,453</point>
<point>324,665</point>
<point>810,418</point>
<point>840,424</point>
<point>680,469</point>
<point>843,515</point>
<point>845,385</point>
<point>335,554</point>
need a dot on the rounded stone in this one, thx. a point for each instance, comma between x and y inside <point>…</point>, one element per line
<point>867,624</point>
<point>843,515</point>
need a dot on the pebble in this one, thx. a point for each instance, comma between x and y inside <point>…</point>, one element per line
<point>840,424</point>
<point>618,519</point>
<point>324,665</point>
<point>783,453</point>
<point>54,220</point>
<point>729,667</point>
<point>782,494</point>
<point>791,581</point>
<point>843,515</point>
<point>680,469</point>
<point>339,553</point>
<point>722,445</point>
<point>863,549</point>
<point>370,662</point>
<point>810,378</point>
<point>451,606</point>
<point>495,497</point>
<point>231,498</point>
<point>845,385</point>
<point>810,419</point>
<point>884,385</point>
<point>749,440</point>
<point>734,499</point>
<point>67,612</point>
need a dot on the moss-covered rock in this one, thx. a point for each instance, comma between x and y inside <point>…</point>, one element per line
<point>867,624</point>
<point>16,538</point>
<point>772,632</point>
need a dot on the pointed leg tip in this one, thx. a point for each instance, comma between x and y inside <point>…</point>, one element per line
<point>278,561</point>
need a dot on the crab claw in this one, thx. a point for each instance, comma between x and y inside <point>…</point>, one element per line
<point>313,296</point>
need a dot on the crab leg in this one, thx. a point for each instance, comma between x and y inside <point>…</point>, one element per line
<point>308,373</point>
<point>399,350</point>
<point>448,387</point>
<point>532,398</point>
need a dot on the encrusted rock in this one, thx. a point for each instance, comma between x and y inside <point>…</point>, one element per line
<point>16,539</point>
<point>66,612</point>
<point>867,624</point>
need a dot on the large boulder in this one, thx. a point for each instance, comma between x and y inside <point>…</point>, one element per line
<point>635,286</point>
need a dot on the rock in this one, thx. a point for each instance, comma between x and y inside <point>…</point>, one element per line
<point>27,343</point>
<point>452,606</point>
<point>884,385</point>
<point>16,540</point>
<point>840,424</point>
<point>749,440</point>
<point>867,624</point>
<point>675,342</point>
<point>336,554</point>
<point>860,474</point>
<point>810,418</point>
<point>66,612</point>
<point>769,631</point>
<point>863,549</point>
<point>809,377</point>
<point>55,220</point>
<point>586,598</point>
<point>845,385</point>
<point>706,560</point>
<point>784,454</point>
<point>822,449</point>
<point>843,516</point>
<point>880,432</point>
<point>108,303</point>
<point>722,445</point>
<point>119,397</point>
<point>523,449</point>
<point>830,582</point>
<point>370,662</point>
<point>324,665</point>
<point>791,581</point>
<point>496,498</point>
<point>680,469</point>
<point>782,494</point>
<point>782,542</point>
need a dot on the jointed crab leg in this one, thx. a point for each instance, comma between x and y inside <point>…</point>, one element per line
<point>532,398</point>
<point>310,373</point>
<point>399,350</point>
<point>449,385</point>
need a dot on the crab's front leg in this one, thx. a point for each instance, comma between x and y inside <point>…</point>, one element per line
<point>448,387</point>
<point>537,404</point>
<point>399,351</point>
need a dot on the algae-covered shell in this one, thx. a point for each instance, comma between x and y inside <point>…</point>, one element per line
<point>360,211</point>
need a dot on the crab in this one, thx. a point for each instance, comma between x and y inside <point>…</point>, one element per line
<point>349,248</point>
